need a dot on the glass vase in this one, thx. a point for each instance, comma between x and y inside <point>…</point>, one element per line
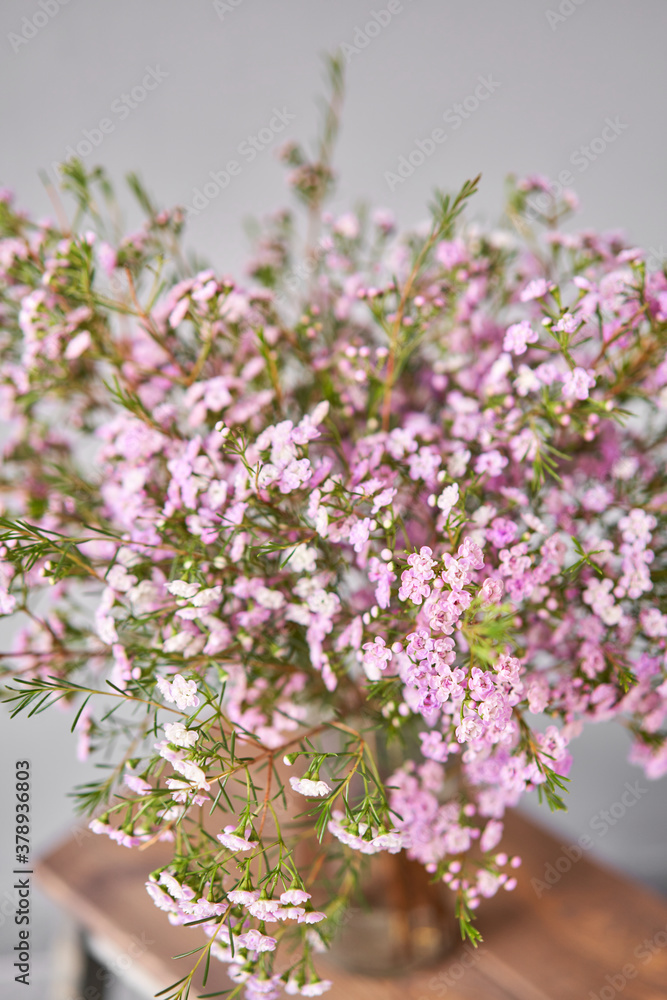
<point>398,922</point>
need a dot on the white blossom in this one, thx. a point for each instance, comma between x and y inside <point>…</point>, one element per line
<point>305,786</point>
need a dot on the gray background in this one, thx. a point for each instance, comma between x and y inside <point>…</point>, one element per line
<point>556,82</point>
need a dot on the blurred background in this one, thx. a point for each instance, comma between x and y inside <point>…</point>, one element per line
<point>175,91</point>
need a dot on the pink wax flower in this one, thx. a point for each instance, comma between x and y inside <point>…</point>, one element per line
<point>402,488</point>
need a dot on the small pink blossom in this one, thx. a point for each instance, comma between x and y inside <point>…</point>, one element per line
<point>234,842</point>
<point>492,591</point>
<point>192,773</point>
<point>360,533</point>
<point>380,573</point>
<point>293,897</point>
<point>8,603</point>
<point>136,784</point>
<point>491,835</point>
<point>77,345</point>
<point>180,691</point>
<point>566,324</point>
<point>414,580</point>
<point>242,897</point>
<point>314,789</point>
<point>490,462</point>
<point>316,988</point>
<point>518,336</point>
<point>97,826</point>
<point>448,499</point>
<point>376,657</point>
<point>312,917</point>
<point>535,289</point>
<point>292,912</point>
<point>253,940</point>
<point>268,910</point>
<point>471,728</point>
<point>108,257</point>
<point>177,734</point>
<point>577,383</point>
<point>180,588</point>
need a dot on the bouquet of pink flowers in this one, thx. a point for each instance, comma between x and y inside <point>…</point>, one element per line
<point>409,490</point>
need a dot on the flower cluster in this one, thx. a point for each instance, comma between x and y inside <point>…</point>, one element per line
<point>415,490</point>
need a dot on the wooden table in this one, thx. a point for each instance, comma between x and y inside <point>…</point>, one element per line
<point>591,935</point>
